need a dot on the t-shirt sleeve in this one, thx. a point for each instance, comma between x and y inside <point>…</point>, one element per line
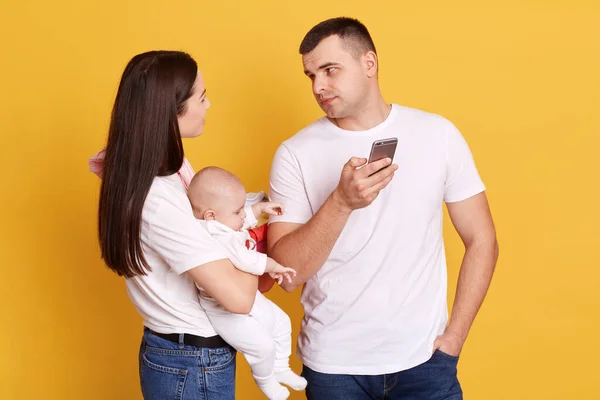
<point>180,239</point>
<point>286,186</point>
<point>241,257</point>
<point>250,221</point>
<point>462,178</point>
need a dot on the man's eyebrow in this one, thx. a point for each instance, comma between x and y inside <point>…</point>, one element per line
<point>326,65</point>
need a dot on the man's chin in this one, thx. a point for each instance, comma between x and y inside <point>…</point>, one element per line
<point>331,113</point>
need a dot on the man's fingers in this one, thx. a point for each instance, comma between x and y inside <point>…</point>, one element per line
<point>377,187</point>
<point>378,175</point>
<point>373,167</point>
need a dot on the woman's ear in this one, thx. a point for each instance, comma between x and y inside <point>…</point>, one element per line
<point>209,215</point>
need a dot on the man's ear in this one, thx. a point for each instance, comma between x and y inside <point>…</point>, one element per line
<point>371,64</point>
<point>209,215</point>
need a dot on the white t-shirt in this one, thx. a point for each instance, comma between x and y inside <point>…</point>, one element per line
<point>173,241</point>
<point>379,301</point>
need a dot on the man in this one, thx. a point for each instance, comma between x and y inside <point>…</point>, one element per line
<point>368,248</point>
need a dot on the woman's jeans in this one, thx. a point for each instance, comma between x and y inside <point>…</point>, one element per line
<point>175,371</point>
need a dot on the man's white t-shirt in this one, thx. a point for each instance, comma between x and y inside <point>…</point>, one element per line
<point>379,301</point>
<point>173,242</point>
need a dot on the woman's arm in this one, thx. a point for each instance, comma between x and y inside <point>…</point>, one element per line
<point>233,289</point>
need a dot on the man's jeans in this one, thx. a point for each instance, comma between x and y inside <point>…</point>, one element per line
<point>433,380</point>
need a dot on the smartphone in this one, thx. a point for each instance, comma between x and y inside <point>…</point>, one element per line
<point>383,148</point>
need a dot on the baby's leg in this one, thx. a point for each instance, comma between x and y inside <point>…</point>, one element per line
<point>246,335</point>
<point>278,322</point>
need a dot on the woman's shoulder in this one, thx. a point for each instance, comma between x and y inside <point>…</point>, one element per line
<point>167,194</point>
<point>170,229</point>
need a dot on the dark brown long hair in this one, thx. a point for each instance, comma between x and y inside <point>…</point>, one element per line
<point>143,142</point>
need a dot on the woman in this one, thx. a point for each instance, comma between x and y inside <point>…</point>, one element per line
<point>148,233</point>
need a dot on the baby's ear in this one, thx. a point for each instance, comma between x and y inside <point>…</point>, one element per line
<point>209,215</point>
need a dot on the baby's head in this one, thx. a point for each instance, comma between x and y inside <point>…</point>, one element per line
<point>218,195</point>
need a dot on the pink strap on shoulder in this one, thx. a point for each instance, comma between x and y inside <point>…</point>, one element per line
<point>186,172</point>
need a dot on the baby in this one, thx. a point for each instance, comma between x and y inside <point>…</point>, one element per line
<point>263,336</point>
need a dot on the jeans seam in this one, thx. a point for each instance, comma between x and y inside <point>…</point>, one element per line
<point>220,350</point>
<point>182,386</point>
<point>157,350</point>
<point>203,380</point>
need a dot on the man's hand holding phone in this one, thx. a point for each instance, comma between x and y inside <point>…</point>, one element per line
<point>360,183</point>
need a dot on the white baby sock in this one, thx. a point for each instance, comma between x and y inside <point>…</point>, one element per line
<point>271,388</point>
<point>290,379</point>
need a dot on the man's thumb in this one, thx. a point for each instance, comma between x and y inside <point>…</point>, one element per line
<point>356,162</point>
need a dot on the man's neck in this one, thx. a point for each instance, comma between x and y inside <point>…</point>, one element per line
<point>368,117</point>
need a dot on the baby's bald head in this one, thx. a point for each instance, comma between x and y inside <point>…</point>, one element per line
<point>217,194</point>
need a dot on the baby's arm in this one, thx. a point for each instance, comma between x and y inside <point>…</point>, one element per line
<point>278,271</point>
<point>241,257</point>
<point>267,207</point>
<point>255,211</point>
<point>252,261</point>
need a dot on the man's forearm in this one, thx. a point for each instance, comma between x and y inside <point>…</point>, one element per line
<point>474,280</point>
<point>306,249</point>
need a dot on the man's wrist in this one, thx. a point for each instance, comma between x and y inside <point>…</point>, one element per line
<point>460,334</point>
<point>338,203</point>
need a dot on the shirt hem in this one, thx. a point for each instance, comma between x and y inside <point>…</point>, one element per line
<point>170,329</point>
<point>197,262</point>
<point>362,370</point>
<point>465,194</point>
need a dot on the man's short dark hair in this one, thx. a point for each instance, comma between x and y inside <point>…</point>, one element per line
<point>353,33</point>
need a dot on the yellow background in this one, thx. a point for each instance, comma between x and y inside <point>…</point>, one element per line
<point>520,79</point>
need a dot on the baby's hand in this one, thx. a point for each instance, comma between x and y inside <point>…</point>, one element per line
<point>278,271</point>
<point>279,276</point>
<point>272,208</point>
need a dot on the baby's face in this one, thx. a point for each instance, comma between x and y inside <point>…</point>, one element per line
<point>230,210</point>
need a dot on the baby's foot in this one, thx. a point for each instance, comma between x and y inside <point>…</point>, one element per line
<point>292,380</point>
<point>271,388</point>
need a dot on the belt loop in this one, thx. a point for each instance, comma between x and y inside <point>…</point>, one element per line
<point>181,340</point>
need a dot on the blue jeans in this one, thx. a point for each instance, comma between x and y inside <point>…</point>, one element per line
<point>433,380</point>
<point>180,372</point>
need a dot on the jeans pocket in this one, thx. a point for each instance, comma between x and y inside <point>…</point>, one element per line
<point>446,355</point>
<point>220,358</point>
<point>161,382</point>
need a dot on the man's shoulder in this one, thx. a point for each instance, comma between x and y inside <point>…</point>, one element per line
<point>423,126</point>
<point>416,115</point>
<point>315,130</point>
